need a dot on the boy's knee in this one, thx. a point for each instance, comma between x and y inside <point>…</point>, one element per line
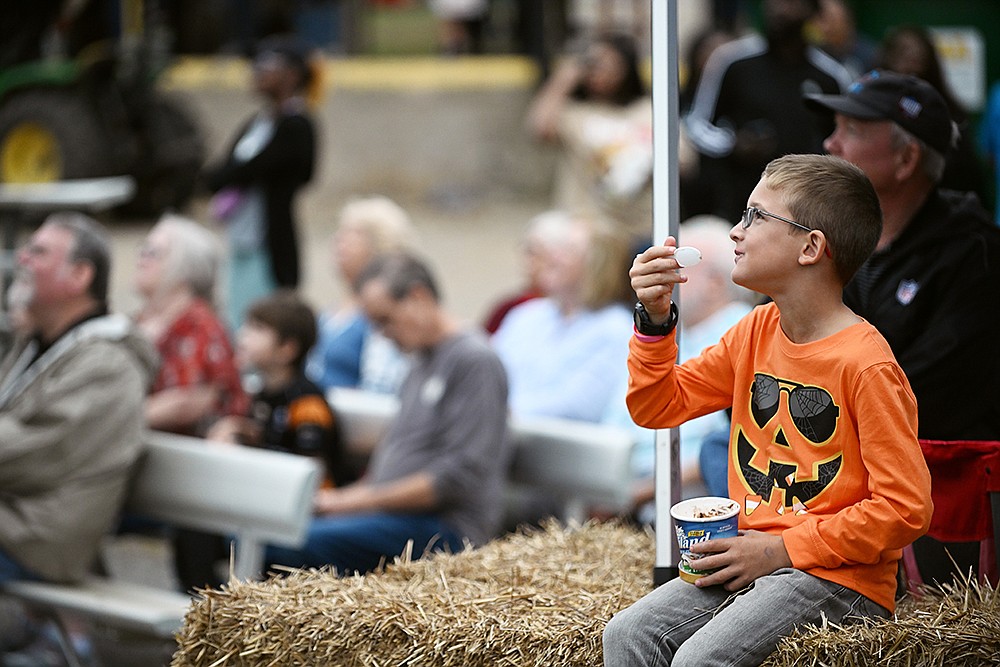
<point>621,639</point>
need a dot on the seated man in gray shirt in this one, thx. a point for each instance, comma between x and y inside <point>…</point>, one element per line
<point>437,476</point>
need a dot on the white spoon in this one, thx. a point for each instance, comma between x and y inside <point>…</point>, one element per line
<point>687,256</point>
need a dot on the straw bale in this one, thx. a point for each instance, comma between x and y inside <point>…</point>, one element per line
<point>531,598</point>
<point>957,625</point>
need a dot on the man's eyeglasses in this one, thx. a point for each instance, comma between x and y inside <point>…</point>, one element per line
<point>750,214</point>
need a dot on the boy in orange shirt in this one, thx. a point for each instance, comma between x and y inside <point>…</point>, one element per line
<point>823,453</point>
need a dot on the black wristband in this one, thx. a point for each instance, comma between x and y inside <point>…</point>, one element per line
<point>644,326</point>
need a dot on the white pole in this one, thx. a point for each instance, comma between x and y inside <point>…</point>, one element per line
<point>666,211</point>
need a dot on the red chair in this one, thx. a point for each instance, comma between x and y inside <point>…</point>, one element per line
<point>965,487</point>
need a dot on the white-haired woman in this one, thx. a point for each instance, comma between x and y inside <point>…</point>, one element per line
<point>348,351</point>
<point>198,380</point>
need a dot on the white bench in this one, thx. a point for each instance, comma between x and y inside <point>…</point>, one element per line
<point>257,497</point>
<point>581,463</point>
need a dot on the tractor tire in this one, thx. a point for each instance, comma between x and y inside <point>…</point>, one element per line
<point>173,153</point>
<point>50,134</point>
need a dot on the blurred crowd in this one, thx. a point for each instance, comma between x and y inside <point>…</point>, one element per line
<point>228,350</point>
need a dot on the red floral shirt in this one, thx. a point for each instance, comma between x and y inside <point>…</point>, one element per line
<point>195,350</point>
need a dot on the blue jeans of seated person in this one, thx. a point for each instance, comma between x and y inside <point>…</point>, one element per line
<point>682,625</point>
<point>11,570</point>
<point>360,542</point>
<point>713,461</point>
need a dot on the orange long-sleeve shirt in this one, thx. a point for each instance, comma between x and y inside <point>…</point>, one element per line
<point>823,448</point>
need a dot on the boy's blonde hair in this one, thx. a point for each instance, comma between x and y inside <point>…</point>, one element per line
<point>829,194</point>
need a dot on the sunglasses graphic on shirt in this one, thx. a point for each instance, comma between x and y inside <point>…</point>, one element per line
<point>812,408</point>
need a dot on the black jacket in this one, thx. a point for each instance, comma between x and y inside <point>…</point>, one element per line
<point>283,166</point>
<point>935,296</point>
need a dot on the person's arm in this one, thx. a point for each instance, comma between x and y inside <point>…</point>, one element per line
<point>899,507</point>
<point>701,122</point>
<point>662,394</point>
<point>178,408</point>
<point>208,385</point>
<point>413,493</point>
<point>547,107</point>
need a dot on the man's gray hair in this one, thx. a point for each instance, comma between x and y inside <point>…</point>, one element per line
<point>90,245</point>
<point>932,162</point>
<point>401,272</point>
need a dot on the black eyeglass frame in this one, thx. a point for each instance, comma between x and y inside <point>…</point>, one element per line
<point>752,212</point>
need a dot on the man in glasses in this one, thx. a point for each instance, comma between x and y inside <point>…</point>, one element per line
<point>931,286</point>
<point>71,406</point>
<point>824,459</point>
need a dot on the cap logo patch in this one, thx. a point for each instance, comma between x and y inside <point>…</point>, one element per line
<point>910,107</point>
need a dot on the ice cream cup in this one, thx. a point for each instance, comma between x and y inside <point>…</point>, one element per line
<point>700,520</point>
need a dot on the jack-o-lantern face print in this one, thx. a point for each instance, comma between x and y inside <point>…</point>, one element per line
<point>806,472</point>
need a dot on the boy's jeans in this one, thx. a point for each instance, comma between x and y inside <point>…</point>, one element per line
<point>679,624</point>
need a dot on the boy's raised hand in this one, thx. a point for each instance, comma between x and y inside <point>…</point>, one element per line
<point>654,273</point>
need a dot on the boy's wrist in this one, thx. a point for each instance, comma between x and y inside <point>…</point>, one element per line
<point>644,325</point>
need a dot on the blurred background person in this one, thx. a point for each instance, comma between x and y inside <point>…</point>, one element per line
<point>836,32</point>
<point>198,380</point>
<point>544,232</point>
<point>565,352</point>
<point>460,25</point>
<point>697,180</point>
<point>349,352</point>
<point>255,185</point>
<point>909,49</point>
<point>595,107</point>
<point>739,123</point>
<point>435,480</point>
<point>288,412</point>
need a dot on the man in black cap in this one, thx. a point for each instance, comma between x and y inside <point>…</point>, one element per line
<point>932,287</point>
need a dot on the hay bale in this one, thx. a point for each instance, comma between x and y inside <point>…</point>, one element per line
<point>957,625</point>
<point>531,598</point>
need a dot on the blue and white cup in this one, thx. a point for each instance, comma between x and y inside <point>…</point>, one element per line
<point>700,520</point>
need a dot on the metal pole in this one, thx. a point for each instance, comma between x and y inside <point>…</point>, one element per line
<point>666,211</point>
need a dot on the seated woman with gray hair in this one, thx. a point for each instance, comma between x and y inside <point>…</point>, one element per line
<point>198,380</point>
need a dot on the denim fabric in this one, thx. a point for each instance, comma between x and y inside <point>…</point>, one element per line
<point>713,460</point>
<point>11,569</point>
<point>359,542</point>
<point>681,625</point>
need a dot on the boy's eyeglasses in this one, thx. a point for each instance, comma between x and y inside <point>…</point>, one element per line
<point>750,214</point>
<point>813,411</point>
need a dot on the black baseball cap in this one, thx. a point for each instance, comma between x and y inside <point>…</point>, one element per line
<point>911,103</point>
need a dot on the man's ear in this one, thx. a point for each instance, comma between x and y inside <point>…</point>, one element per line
<point>81,276</point>
<point>907,161</point>
<point>814,247</point>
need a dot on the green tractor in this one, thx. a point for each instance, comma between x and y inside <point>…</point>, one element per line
<point>78,100</point>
